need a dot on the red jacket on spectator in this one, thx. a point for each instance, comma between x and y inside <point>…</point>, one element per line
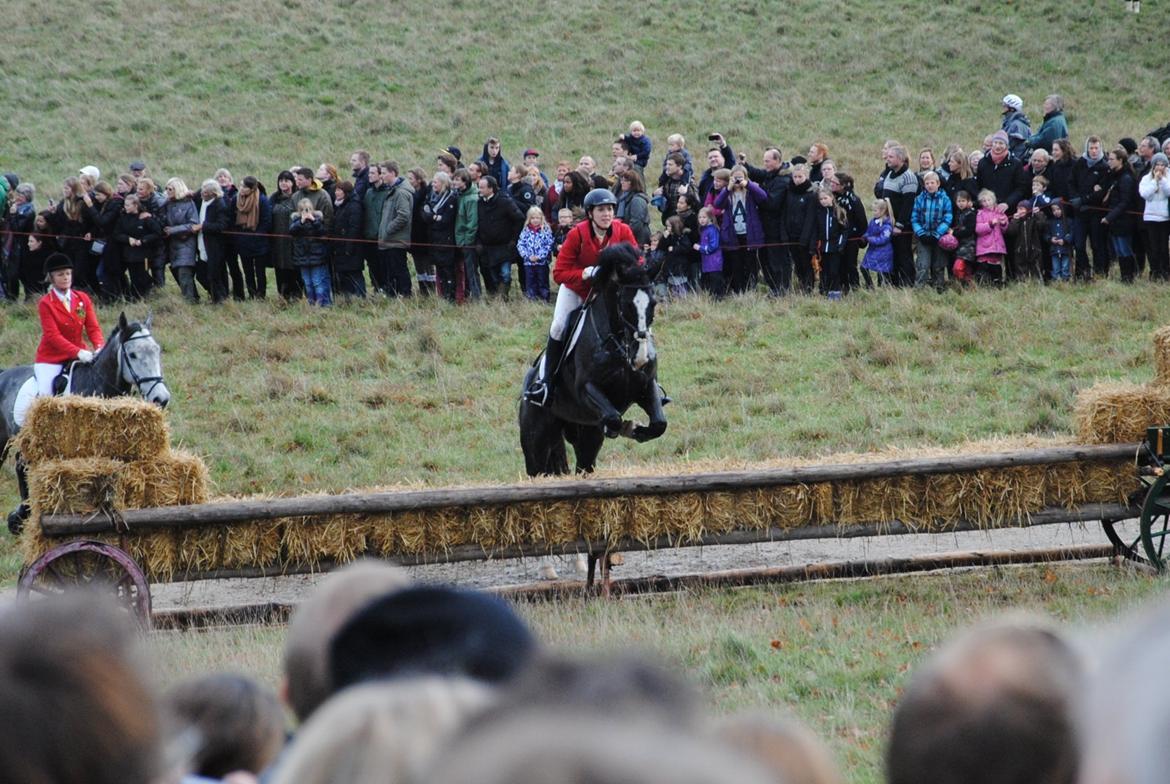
<point>62,329</point>
<point>581,250</point>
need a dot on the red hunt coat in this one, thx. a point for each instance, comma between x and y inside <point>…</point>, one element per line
<point>62,330</point>
<point>581,250</point>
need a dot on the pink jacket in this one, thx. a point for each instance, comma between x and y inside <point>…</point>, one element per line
<point>989,226</point>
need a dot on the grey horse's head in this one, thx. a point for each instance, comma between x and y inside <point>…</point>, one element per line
<point>140,360</point>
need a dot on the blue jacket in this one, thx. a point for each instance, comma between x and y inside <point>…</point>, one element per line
<point>1059,229</point>
<point>640,149</point>
<point>931,216</point>
<point>535,243</point>
<point>1054,127</point>
<point>879,255</point>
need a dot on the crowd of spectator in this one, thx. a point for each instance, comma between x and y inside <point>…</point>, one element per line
<point>394,683</point>
<point>1027,204</point>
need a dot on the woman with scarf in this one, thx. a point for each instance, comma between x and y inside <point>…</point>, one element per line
<point>440,211</point>
<point>252,227</point>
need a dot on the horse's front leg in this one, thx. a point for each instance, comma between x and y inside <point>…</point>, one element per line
<point>611,418</point>
<point>652,405</point>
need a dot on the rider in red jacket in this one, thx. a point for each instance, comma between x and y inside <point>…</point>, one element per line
<point>574,271</point>
<point>67,318</point>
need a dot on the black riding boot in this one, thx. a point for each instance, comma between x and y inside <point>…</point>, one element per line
<point>541,390</point>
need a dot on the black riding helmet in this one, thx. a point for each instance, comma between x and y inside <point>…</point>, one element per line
<point>598,197</point>
<point>57,261</point>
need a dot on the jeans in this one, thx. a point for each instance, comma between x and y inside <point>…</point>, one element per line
<point>1060,265</point>
<point>318,288</point>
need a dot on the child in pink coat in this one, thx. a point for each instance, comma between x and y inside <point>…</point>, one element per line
<point>990,247</point>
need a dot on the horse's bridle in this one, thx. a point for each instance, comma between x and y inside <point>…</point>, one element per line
<point>636,336</point>
<point>125,363</point>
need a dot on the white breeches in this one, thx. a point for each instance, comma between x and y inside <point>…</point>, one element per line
<point>567,301</point>
<point>45,373</point>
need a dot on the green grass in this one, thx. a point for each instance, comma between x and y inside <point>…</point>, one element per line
<point>835,654</point>
<point>193,85</point>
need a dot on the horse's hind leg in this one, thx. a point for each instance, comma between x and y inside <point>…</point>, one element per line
<point>17,516</point>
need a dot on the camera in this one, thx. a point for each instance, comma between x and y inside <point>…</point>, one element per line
<point>712,137</point>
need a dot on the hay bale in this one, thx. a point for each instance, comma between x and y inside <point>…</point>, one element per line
<point>1162,356</point>
<point>1113,413</point>
<point>72,426</point>
<point>87,484</point>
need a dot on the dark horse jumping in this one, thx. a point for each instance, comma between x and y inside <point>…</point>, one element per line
<point>611,365</point>
<point>130,360</point>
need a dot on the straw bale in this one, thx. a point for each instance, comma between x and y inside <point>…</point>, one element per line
<point>604,519</point>
<point>724,512</point>
<point>253,544</point>
<point>308,540</point>
<point>1162,356</point>
<point>201,549</point>
<point>788,506</point>
<point>72,426</point>
<point>85,484</point>
<point>1109,482</point>
<point>486,525</point>
<point>1112,413</point>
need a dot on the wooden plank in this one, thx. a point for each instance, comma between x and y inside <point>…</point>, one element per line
<point>227,512</point>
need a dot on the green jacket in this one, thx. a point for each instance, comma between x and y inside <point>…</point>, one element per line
<point>467,219</point>
<point>397,212</point>
<point>373,201</point>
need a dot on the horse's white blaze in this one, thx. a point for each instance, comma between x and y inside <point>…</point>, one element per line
<point>641,304</point>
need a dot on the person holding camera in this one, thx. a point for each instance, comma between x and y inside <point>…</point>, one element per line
<point>742,232</point>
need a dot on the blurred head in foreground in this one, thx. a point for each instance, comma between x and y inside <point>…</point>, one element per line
<point>995,706</point>
<point>73,703</point>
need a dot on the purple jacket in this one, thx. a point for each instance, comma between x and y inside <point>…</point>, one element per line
<point>754,197</point>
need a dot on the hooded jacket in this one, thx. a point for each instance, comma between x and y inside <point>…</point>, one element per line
<point>397,215</point>
<point>497,168</point>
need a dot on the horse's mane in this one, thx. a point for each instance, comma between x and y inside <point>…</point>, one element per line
<point>131,328</point>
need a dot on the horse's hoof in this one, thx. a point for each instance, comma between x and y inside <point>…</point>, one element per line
<point>16,519</point>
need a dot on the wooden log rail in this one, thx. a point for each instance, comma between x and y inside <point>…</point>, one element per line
<point>227,512</point>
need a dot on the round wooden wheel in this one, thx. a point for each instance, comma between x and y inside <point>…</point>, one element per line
<point>1155,523</point>
<point>89,566</point>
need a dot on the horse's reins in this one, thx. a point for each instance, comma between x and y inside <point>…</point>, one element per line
<point>125,364</point>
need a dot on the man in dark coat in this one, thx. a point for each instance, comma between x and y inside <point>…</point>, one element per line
<point>775,179</point>
<point>499,223</point>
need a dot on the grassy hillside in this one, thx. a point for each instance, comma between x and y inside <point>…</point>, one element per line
<point>194,84</point>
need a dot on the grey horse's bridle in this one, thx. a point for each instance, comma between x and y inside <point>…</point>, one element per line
<point>124,365</point>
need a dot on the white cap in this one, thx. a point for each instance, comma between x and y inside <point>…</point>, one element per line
<point>1013,101</point>
<point>91,171</point>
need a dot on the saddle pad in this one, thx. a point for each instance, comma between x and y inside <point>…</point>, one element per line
<point>578,325</point>
<point>24,398</point>
<point>27,394</point>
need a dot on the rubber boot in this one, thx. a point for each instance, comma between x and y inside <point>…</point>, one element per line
<point>540,393</point>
